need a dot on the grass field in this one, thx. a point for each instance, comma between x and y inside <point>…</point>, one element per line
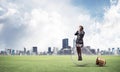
<point>56,64</point>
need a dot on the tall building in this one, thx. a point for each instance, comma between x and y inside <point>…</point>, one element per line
<point>24,50</point>
<point>9,51</point>
<point>118,50</point>
<point>109,51</point>
<point>113,50</point>
<point>98,51</point>
<point>35,50</point>
<point>65,43</point>
<point>13,52</point>
<point>49,50</point>
<point>55,50</point>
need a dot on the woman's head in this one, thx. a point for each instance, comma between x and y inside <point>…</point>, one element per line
<point>81,28</point>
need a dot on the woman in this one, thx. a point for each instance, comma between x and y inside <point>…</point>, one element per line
<point>79,41</point>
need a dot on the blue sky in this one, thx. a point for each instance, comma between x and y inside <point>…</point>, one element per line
<point>94,7</point>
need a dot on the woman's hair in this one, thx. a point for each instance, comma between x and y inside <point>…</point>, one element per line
<point>81,27</point>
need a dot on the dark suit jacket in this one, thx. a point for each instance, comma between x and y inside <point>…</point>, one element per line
<point>80,35</point>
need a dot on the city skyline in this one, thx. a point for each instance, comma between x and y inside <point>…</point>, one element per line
<point>65,45</point>
<point>44,23</point>
<point>86,50</point>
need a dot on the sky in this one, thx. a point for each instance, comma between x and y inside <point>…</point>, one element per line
<point>44,23</point>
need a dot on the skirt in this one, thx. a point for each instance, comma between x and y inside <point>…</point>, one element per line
<point>79,45</point>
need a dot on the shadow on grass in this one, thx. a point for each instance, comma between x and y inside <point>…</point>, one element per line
<point>83,65</point>
<point>88,65</point>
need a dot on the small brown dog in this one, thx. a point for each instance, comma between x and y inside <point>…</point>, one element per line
<point>100,61</point>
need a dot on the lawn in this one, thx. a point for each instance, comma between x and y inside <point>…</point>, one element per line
<point>56,64</point>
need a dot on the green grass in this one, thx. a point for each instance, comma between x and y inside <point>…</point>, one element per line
<point>56,64</point>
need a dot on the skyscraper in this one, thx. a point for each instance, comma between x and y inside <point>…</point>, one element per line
<point>98,51</point>
<point>65,43</point>
<point>109,51</point>
<point>13,52</point>
<point>113,51</point>
<point>118,50</point>
<point>35,49</point>
<point>55,50</point>
<point>49,50</point>
<point>24,50</point>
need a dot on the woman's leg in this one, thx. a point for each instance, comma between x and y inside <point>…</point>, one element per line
<point>80,54</point>
<point>79,51</point>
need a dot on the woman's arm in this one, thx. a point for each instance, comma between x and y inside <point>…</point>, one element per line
<point>76,33</point>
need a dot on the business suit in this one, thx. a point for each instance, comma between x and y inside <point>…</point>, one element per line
<point>79,43</point>
<point>80,35</point>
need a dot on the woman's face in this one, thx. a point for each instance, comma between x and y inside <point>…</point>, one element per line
<point>80,28</point>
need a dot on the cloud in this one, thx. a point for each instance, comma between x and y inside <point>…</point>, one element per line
<point>45,23</point>
<point>106,33</point>
<point>110,28</point>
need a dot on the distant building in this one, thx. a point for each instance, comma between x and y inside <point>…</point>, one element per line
<point>87,50</point>
<point>109,51</point>
<point>35,50</point>
<point>28,52</point>
<point>93,51</point>
<point>24,50</point>
<point>49,50</point>
<point>17,52</point>
<point>113,50</point>
<point>55,50</point>
<point>13,52</point>
<point>66,50</point>
<point>98,51</point>
<point>65,43</point>
<point>8,51</point>
<point>3,53</point>
<point>118,50</point>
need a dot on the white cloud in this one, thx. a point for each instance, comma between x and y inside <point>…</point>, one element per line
<point>48,22</point>
<point>48,25</point>
<point>1,8</point>
<point>111,27</point>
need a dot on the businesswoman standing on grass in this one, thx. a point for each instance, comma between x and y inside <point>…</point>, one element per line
<point>79,41</point>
